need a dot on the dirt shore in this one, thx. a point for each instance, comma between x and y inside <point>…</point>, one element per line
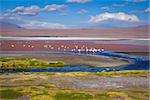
<point>136,53</point>
<point>73,59</point>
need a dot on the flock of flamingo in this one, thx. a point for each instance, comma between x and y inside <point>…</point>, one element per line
<point>63,48</point>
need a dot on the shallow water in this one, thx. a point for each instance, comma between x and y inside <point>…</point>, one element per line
<point>136,63</point>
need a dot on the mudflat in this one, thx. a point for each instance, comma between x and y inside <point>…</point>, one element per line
<point>137,53</point>
<point>90,60</point>
<point>46,45</point>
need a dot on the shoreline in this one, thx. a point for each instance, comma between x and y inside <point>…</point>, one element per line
<point>136,53</point>
<point>101,61</point>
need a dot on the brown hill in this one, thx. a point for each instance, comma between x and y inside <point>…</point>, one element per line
<point>135,32</point>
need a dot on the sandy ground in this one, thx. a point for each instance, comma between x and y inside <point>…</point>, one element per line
<point>73,59</point>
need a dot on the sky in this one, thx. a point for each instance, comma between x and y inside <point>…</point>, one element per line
<point>65,14</point>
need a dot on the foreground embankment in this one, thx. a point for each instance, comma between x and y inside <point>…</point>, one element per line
<point>123,85</point>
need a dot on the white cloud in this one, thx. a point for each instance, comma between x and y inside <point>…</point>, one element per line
<point>136,0</point>
<point>63,14</point>
<point>147,10</point>
<point>105,8</point>
<point>82,11</point>
<point>54,7</point>
<point>21,10</point>
<point>78,1</point>
<point>30,24</point>
<point>121,16</point>
<point>34,10</point>
<point>9,16</point>
<point>42,25</point>
<point>120,5</point>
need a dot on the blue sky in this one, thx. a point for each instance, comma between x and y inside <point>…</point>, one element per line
<point>45,14</point>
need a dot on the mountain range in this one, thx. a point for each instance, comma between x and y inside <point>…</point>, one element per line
<point>10,29</point>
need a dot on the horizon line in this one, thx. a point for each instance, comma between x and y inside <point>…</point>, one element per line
<point>66,38</point>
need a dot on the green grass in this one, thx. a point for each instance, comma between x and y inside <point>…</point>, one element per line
<point>10,94</point>
<point>102,96</point>
<point>139,94</point>
<point>25,64</point>
<point>66,83</point>
<point>6,59</point>
<point>72,96</point>
<point>47,85</point>
<point>133,73</point>
<point>42,91</point>
<point>38,93</point>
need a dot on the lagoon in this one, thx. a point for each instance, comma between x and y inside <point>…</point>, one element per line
<point>135,63</point>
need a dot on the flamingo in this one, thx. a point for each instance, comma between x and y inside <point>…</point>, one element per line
<point>29,46</point>
<point>12,46</point>
<point>32,46</point>
<point>79,50</point>
<point>58,49</point>
<point>24,45</point>
<point>102,50</point>
<point>45,46</point>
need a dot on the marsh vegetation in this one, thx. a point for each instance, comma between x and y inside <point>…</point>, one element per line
<point>10,63</point>
<point>75,86</point>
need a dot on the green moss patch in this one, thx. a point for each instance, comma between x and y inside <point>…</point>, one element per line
<point>10,94</point>
<point>133,73</point>
<point>66,83</point>
<point>47,85</point>
<point>25,64</point>
<point>139,94</point>
<point>72,96</point>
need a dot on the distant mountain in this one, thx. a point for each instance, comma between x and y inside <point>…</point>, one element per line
<point>7,25</point>
<point>143,26</point>
<point>10,29</point>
